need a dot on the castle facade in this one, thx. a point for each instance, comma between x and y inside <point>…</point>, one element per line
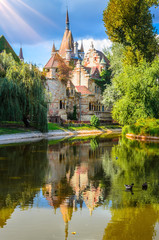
<point>79,93</point>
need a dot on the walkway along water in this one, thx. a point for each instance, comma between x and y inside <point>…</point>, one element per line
<point>33,136</point>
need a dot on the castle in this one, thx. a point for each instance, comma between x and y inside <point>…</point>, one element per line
<point>79,93</point>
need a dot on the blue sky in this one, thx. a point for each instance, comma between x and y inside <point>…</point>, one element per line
<point>37,23</point>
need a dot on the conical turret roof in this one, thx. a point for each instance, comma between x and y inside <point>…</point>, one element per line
<point>21,55</point>
<point>53,49</point>
<point>82,48</point>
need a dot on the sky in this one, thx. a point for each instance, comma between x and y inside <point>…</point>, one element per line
<point>35,24</point>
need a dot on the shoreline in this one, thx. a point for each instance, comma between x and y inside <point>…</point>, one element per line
<point>34,136</point>
<point>142,138</point>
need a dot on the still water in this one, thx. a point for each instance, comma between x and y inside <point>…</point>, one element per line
<point>74,189</point>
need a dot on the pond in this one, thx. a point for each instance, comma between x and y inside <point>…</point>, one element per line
<point>74,189</point>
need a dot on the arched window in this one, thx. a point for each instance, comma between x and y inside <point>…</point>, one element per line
<point>102,108</point>
<point>60,104</point>
<point>90,107</point>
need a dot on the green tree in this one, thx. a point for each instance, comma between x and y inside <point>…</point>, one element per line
<point>135,92</point>
<point>22,94</point>
<point>129,22</point>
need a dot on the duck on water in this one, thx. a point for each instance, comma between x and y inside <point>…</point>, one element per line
<point>129,187</point>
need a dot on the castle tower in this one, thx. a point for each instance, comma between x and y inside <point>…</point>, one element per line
<point>76,49</point>
<point>21,55</point>
<point>82,51</point>
<point>53,50</point>
<point>67,37</point>
<point>68,51</point>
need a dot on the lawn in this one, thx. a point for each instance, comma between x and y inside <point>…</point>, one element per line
<point>7,130</point>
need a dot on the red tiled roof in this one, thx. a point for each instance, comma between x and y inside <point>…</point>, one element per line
<point>83,90</point>
<point>53,61</point>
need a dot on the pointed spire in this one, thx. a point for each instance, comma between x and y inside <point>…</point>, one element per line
<point>21,55</point>
<point>67,21</point>
<point>92,45</point>
<point>53,49</point>
<point>82,48</point>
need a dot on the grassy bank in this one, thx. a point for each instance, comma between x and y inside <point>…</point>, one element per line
<point>74,127</point>
<point>143,127</point>
<point>13,127</point>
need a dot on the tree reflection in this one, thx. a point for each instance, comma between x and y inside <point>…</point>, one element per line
<point>22,173</point>
<point>133,215</point>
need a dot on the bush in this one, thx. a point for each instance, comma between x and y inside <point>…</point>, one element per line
<point>148,126</point>
<point>94,121</point>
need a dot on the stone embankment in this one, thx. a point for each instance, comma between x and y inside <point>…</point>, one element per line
<point>34,136</point>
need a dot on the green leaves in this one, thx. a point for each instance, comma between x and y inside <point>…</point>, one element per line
<point>139,93</point>
<point>22,93</point>
<point>130,22</point>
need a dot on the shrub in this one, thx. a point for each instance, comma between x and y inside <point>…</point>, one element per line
<point>94,121</point>
<point>148,126</point>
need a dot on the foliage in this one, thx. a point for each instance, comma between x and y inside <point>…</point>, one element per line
<point>110,95</point>
<point>129,22</point>
<point>117,58</point>
<point>132,162</point>
<point>27,166</point>
<point>73,115</point>
<point>5,46</point>
<point>142,126</point>
<point>105,79</point>
<point>94,144</point>
<point>135,92</point>
<point>22,94</point>
<point>94,121</point>
<point>63,70</point>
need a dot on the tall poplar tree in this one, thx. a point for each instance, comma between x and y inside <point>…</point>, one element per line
<point>130,22</point>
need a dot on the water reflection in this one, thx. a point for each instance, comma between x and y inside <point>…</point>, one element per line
<point>78,175</point>
<point>22,172</point>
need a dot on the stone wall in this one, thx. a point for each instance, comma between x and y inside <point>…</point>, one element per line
<point>80,77</point>
<point>57,101</point>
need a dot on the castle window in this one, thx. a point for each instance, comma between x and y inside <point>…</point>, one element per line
<point>99,108</point>
<point>102,108</point>
<point>90,106</point>
<point>95,89</point>
<point>60,104</point>
<point>72,91</point>
<point>67,92</point>
<point>56,70</point>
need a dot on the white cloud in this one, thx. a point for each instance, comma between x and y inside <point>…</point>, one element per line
<point>41,52</point>
<point>98,44</point>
